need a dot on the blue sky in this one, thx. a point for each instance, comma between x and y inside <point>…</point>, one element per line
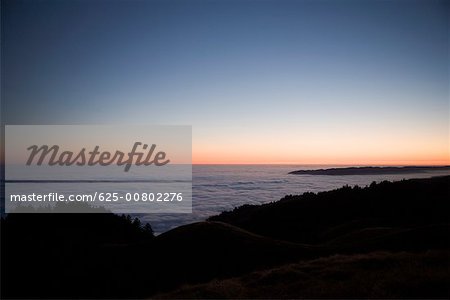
<point>366,78</point>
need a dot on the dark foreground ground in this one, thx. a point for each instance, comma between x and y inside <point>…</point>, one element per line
<point>374,275</point>
<point>388,240</point>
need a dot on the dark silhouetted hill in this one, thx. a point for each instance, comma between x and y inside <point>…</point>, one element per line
<point>372,170</point>
<point>319,218</point>
<point>205,250</point>
<point>70,255</point>
<point>286,248</point>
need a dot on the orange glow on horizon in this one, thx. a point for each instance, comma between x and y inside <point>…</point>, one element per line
<point>390,146</point>
<point>420,162</point>
<point>416,158</point>
<point>436,159</point>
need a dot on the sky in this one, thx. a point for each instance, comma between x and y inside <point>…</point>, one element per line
<point>304,82</point>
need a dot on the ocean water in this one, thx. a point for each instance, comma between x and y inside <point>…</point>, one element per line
<point>218,188</point>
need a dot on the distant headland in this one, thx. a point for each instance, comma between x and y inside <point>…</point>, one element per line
<point>371,170</point>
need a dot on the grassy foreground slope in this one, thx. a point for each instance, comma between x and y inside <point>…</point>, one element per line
<point>374,275</point>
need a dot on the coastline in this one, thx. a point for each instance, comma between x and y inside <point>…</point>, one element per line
<point>371,170</point>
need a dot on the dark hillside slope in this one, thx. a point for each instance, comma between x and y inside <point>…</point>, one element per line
<point>107,256</point>
<point>376,275</point>
<point>205,250</point>
<point>319,218</point>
